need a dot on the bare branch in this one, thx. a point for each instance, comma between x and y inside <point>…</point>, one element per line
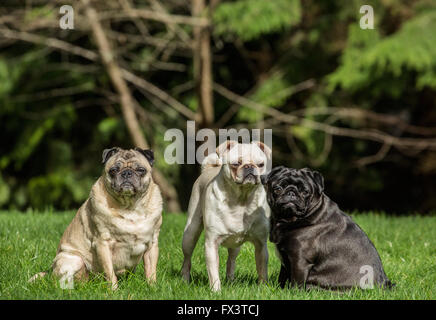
<point>127,102</point>
<point>305,85</point>
<point>376,157</point>
<point>58,92</point>
<point>156,16</point>
<point>369,115</point>
<point>127,7</point>
<point>107,55</point>
<point>371,135</point>
<point>203,66</point>
<point>50,42</point>
<point>180,32</point>
<point>91,55</point>
<point>162,95</point>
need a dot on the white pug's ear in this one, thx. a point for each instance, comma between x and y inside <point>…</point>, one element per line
<point>225,147</point>
<point>264,148</point>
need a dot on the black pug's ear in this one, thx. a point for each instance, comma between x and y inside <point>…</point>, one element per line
<point>147,153</point>
<point>319,179</point>
<point>107,153</point>
<point>264,179</point>
<point>316,177</point>
<point>268,176</point>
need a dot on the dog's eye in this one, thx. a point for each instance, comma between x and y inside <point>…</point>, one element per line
<point>113,171</point>
<point>236,164</point>
<point>277,190</point>
<point>141,170</point>
<point>261,165</point>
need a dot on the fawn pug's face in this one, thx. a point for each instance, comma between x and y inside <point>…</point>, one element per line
<point>293,192</point>
<point>244,163</point>
<point>127,173</point>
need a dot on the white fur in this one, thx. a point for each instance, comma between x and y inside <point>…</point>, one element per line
<point>212,160</point>
<point>231,212</point>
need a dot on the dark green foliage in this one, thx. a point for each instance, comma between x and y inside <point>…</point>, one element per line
<point>369,57</point>
<point>250,19</point>
<point>59,111</point>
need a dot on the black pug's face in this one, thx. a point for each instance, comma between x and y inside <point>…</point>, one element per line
<point>292,193</point>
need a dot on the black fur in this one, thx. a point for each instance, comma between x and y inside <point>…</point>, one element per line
<point>107,153</point>
<point>319,245</point>
<point>148,153</point>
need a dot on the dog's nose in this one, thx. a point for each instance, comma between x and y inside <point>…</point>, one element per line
<point>127,174</point>
<point>249,170</point>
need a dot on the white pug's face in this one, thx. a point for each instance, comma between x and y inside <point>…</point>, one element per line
<point>244,163</point>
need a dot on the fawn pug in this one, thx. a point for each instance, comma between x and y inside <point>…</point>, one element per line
<point>117,225</point>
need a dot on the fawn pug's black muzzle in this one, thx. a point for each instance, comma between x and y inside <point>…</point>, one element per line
<point>126,172</point>
<point>127,181</point>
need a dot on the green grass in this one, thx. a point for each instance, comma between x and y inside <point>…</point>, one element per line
<point>28,243</point>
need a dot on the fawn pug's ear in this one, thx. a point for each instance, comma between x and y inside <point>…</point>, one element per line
<point>147,153</point>
<point>107,153</point>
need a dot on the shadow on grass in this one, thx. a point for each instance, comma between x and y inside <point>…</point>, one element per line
<point>200,278</point>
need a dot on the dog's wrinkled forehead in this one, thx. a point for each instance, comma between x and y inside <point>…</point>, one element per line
<point>127,154</point>
<point>127,158</point>
<point>282,176</point>
<point>246,153</point>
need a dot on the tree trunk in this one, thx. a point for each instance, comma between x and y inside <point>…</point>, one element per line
<point>203,65</point>
<point>127,102</point>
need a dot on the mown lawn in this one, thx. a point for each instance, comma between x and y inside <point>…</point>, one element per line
<point>28,243</point>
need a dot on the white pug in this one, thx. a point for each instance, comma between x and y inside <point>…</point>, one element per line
<point>229,202</point>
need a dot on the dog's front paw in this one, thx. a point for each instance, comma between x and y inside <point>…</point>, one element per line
<point>114,286</point>
<point>216,286</point>
<point>186,271</point>
<point>186,277</point>
<point>151,279</point>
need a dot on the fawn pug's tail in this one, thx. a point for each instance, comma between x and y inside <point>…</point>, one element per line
<point>39,275</point>
<point>211,161</point>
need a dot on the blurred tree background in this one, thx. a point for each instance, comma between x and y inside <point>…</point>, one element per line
<point>359,105</point>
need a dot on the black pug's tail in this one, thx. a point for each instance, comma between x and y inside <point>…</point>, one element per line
<point>388,284</point>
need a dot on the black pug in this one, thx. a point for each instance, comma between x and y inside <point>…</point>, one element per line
<point>319,245</point>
